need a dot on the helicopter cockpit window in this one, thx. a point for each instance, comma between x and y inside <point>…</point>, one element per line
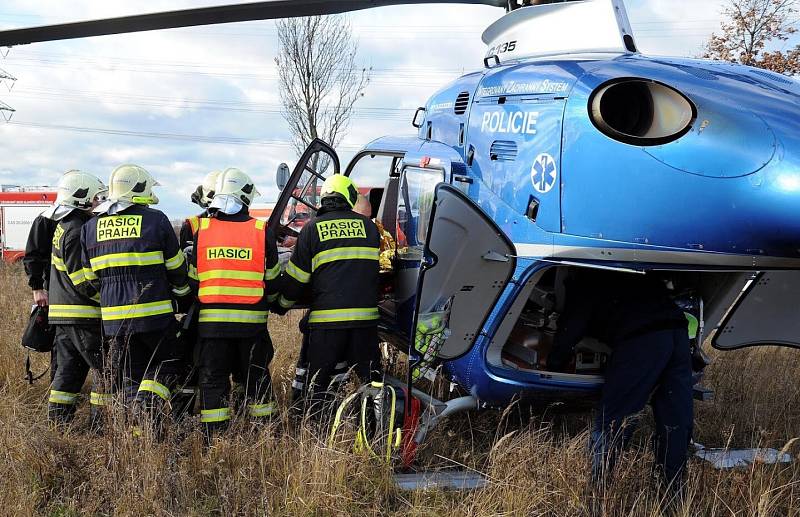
<point>414,206</point>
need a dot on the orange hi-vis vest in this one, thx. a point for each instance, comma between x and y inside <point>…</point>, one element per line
<point>231,261</point>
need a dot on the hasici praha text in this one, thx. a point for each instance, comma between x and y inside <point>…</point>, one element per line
<point>222,252</point>
<point>119,227</point>
<point>341,229</point>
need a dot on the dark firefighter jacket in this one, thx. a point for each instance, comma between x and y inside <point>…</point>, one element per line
<point>73,299</point>
<point>612,307</point>
<point>37,252</point>
<point>134,259</point>
<point>337,258</point>
<point>233,319</point>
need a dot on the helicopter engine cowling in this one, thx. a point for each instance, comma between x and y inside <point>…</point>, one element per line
<point>728,182</point>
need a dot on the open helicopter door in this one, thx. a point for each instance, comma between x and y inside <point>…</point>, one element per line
<point>299,200</point>
<point>765,312</point>
<point>467,262</point>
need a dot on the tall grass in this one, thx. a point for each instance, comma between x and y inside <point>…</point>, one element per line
<point>536,463</point>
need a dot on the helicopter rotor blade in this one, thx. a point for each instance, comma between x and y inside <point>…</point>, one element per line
<point>205,16</point>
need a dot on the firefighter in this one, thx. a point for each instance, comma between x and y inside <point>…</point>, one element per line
<point>131,253</point>
<point>336,258</point>
<point>74,303</point>
<point>650,360</point>
<point>236,269</point>
<point>299,392</point>
<point>185,395</point>
<point>37,260</point>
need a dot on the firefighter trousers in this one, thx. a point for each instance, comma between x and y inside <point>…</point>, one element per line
<point>79,350</point>
<point>655,366</point>
<point>220,357</point>
<point>145,367</point>
<point>329,355</point>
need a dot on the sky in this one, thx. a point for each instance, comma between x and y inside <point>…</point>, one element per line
<point>183,102</point>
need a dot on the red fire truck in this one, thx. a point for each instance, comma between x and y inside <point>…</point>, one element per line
<point>19,206</point>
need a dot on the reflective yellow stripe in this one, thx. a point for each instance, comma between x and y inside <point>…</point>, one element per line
<point>193,272</point>
<point>194,222</point>
<point>352,253</point>
<point>220,290</point>
<point>176,261</point>
<point>58,263</point>
<point>227,274</point>
<point>336,315</point>
<point>100,399</point>
<point>155,387</point>
<point>182,291</point>
<point>273,273</point>
<point>205,223</point>
<point>74,311</point>
<point>261,410</point>
<point>232,316</point>
<point>260,224</point>
<point>81,276</point>
<point>298,274</point>
<point>139,310</point>
<point>215,415</point>
<point>62,397</point>
<point>150,258</point>
<point>96,298</point>
<point>286,304</point>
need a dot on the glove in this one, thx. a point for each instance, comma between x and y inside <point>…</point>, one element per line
<point>303,324</point>
<point>197,196</point>
<point>184,303</point>
<point>276,308</point>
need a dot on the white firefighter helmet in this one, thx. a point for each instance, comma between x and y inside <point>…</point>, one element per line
<point>133,184</point>
<point>77,189</point>
<point>233,190</point>
<point>209,187</point>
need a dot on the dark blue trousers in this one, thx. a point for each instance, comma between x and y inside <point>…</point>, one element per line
<point>657,365</point>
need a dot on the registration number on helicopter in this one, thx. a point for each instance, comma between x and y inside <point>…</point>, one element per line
<point>508,46</point>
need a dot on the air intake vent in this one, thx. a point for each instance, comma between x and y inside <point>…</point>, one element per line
<point>773,76</point>
<point>698,72</point>
<point>503,151</point>
<point>641,112</point>
<point>462,103</point>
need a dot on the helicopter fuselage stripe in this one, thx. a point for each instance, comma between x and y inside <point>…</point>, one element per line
<point>653,256</point>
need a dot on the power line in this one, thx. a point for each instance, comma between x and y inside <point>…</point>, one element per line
<point>358,114</point>
<point>169,136</point>
<point>34,63</point>
<point>59,91</point>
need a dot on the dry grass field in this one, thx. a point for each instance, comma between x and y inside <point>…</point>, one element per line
<point>535,468</point>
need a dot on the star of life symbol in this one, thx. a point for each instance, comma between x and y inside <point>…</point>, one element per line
<point>544,173</point>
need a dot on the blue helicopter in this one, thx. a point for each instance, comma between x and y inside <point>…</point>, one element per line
<point>569,149</point>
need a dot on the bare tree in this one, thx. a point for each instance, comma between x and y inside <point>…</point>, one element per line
<point>752,25</point>
<point>318,77</point>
